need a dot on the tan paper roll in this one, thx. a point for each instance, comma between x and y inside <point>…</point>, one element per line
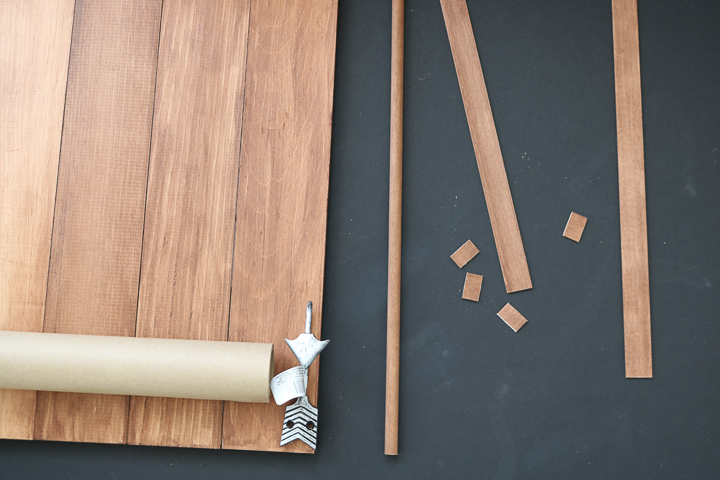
<point>152,367</point>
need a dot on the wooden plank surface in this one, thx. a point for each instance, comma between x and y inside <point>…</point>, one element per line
<point>512,317</point>
<point>575,227</point>
<point>464,254</point>
<point>190,215</point>
<point>282,199</point>
<point>471,289</point>
<point>631,176</point>
<point>487,146</point>
<point>97,231</point>
<point>34,53</point>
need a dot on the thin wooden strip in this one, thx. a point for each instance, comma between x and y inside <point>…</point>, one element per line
<point>631,176</point>
<point>192,190</point>
<point>97,232</point>
<point>464,254</point>
<point>34,53</point>
<point>282,199</point>
<point>512,317</point>
<point>471,289</point>
<point>487,146</point>
<point>575,227</point>
<point>392,375</point>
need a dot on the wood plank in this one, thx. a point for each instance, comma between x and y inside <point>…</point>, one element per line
<point>631,176</point>
<point>575,227</point>
<point>471,289</point>
<point>34,53</point>
<point>191,201</point>
<point>97,231</point>
<point>512,317</point>
<point>282,199</point>
<point>464,254</point>
<point>487,146</point>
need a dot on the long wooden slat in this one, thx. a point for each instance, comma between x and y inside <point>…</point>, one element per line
<point>631,176</point>
<point>192,189</point>
<point>34,52</point>
<point>282,199</point>
<point>97,231</point>
<point>487,146</point>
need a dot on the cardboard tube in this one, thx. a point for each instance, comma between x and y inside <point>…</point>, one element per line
<point>153,367</point>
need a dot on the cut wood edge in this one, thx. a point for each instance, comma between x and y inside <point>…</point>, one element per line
<point>512,317</point>
<point>472,287</point>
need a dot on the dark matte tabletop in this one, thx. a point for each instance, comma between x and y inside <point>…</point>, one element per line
<point>478,400</point>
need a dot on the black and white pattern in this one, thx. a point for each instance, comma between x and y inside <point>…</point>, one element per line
<point>300,423</point>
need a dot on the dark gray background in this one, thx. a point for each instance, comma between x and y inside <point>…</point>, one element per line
<point>477,400</point>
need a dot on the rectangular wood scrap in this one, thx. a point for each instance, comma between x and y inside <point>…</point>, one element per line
<point>512,317</point>
<point>473,284</point>
<point>232,101</point>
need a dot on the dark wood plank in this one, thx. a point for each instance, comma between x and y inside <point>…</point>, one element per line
<point>282,199</point>
<point>192,191</point>
<point>97,231</point>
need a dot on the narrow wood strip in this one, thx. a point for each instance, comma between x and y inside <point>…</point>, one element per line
<point>282,199</point>
<point>392,375</point>
<point>487,146</point>
<point>190,216</point>
<point>97,232</point>
<point>575,227</point>
<point>512,317</point>
<point>34,53</point>
<point>631,176</point>
<point>464,254</point>
<point>473,284</point>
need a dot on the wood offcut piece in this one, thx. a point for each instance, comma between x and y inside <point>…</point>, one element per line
<point>631,177</point>
<point>575,226</point>
<point>473,284</point>
<point>487,147</point>
<point>512,317</point>
<point>464,254</point>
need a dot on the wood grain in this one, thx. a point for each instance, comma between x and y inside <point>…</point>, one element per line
<point>471,289</point>
<point>392,375</point>
<point>97,231</point>
<point>34,53</point>
<point>191,200</point>
<point>575,227</point>
<point>487,146</point>
<point>464,254</point>
<point>512,317</point>
<point>282,198</point>
<point>631,176</point>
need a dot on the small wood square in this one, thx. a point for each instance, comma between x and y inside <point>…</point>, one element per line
<point>575,226</point>
<point>464,254</point>
<point>473,284</point>
<point>512,317</point>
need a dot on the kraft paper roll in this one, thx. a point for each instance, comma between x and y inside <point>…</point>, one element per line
<point>152,367</point>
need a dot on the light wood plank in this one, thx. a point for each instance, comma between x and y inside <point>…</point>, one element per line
<point>97,231</point>
<point>487,146</point>
<point>471,289</point>
<point>512,317</point>
<point>192,190</point>
<point>631,176</point>
<point>282,199</point>
<point>464,254</point>
<point>34,53</point>
<point>575,227</point>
